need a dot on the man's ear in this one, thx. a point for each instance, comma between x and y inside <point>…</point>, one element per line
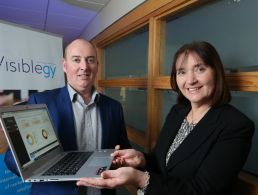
<point>64,64</point>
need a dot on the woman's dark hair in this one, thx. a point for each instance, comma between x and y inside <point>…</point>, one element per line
<point>211,58</point>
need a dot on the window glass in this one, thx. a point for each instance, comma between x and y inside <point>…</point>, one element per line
<point>134,103</point>
<point>169,98</point>
<point>127,57</point>
<point>247,102</point>
<point>229,25</point>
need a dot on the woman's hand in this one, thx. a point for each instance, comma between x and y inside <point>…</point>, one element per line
<point>115,178</point>
<point>128,157</point>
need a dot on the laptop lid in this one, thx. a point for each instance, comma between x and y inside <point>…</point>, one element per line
<point>31,136</point>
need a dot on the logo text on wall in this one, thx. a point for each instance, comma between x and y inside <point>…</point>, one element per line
<point>47,70</point>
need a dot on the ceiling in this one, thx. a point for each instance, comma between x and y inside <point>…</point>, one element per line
<point>64,17</point>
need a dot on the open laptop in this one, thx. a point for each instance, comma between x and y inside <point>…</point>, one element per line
<point>32,139</point>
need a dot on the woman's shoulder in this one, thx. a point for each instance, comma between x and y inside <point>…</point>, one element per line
<point>234,121</point>
<point>228,112</point>
<point>180,108</point>
<point>231,111</point>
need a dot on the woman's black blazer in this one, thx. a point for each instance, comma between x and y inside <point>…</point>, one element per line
<point>209,159</point>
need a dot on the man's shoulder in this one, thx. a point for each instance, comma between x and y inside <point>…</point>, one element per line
<point>108,100</point>
<point>52,92</point>
<point>49,96</point>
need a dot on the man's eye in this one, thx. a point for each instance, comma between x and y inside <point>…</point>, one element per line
<point>91,60</point>
<point>77,60</point>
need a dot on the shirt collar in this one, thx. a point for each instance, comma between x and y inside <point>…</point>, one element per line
<point>74,95</point>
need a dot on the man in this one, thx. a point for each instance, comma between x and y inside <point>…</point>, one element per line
<point>84,119</point>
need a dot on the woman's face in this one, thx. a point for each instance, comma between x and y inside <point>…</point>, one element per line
<point>195,79</point>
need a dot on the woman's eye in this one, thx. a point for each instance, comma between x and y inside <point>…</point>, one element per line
<point>180,72</point>
<point>200,68</point>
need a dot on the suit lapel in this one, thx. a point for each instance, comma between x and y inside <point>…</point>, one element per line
<point>169,131</point>
<point>105,118</point>
<point>199,134</point>
<point>67,136</point>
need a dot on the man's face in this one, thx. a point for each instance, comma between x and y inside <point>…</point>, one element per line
<point>80,65</point>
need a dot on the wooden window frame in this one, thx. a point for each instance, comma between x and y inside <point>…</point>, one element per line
<point>153,13</point>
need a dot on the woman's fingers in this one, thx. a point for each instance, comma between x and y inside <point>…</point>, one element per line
<point>117,147</point>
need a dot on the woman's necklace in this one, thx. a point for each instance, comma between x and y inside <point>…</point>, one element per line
<point>193,120</point>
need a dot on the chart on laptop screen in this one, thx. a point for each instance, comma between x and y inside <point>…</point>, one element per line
<point>35,129</point>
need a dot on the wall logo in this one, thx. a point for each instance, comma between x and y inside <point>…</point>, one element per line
<point>47,70</point>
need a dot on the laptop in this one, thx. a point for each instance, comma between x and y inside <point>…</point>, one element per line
<point>38,152</point>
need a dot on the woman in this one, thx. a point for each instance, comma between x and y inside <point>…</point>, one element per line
<point>204,142</point>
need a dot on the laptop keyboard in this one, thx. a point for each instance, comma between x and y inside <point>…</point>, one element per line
<point>70,164</point>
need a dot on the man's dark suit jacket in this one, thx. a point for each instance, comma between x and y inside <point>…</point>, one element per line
<point>60,108</point>
<point>208,160</point>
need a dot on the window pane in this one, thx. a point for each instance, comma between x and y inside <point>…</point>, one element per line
<point>169,98</point>
<point>127,57</point>
<point>134,103</point>
<point>230,25</point>
<point>247,102</point>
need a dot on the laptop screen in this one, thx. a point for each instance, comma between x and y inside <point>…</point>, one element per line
<point>31,133</point>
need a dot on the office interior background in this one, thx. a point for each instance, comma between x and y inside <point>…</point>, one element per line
<point>136,41</point>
